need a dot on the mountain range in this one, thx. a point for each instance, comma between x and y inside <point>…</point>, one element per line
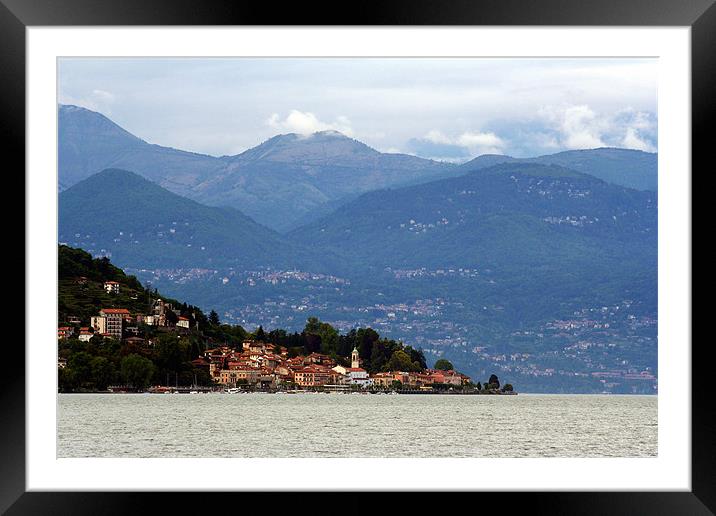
<point>276,183</point>
<point>290,180</point>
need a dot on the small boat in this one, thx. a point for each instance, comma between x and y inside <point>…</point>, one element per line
<point>233,390</point>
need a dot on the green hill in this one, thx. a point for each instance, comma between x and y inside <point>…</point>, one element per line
<point>81,290</point>
<point>118,213</point>
<point>543,238</point>
<point>624,167</point>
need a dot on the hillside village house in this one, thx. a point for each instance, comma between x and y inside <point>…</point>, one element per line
<point>65,332</point>
<point>183,322</point>
<point>86,334</point>
<point>111,287</point>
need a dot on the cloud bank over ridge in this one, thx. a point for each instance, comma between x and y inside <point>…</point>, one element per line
<point>442,108</point>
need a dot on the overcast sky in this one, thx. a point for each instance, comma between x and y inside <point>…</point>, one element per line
<point>451,109</point>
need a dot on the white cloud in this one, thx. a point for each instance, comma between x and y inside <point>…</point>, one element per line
<point>103,96</point>
<point>471,142</point>
<point>581,128</point>
<point>482,143</point>
<point>436,136</point>
<point>307,123</point>
<point>633,141</point>
<point>387,102</point>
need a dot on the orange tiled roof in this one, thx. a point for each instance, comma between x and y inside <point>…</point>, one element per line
<point>115,311</point>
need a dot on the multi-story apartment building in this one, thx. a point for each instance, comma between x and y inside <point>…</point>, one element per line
<point>113,321</point>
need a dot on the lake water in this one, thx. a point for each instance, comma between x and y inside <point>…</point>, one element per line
<point>355,425</point>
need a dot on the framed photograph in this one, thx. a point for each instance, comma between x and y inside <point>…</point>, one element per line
<point>413,249</point>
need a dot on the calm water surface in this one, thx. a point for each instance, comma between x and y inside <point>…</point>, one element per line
<point>355,425</point>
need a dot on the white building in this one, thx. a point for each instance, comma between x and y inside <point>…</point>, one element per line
<point>358,376</point>
<point>86,334</point>
<point>112,287</point>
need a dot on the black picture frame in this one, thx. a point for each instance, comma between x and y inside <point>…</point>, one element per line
<point>16,15</point>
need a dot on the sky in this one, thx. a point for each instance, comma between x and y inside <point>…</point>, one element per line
<point>441,108</point>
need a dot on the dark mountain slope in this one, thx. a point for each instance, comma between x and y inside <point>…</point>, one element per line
<point>140,224</point>
<point>539,235</point>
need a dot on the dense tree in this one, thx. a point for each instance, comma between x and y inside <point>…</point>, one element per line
<point>137,371</point>
<point>214,318</point>
<point>103,372</point>
<point>494,382</point>
<point>400,361</point>
<point>328,335</point>
<point>278,337</point>
<point>378,356</point>
<point>171,317</point>
<point>416,355</point>
<point>444,365</point>
<point>259,334</point>
<point>80,365</point>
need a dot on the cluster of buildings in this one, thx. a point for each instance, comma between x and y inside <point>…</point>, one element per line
<point>265,365</point>
<point>118,323</point>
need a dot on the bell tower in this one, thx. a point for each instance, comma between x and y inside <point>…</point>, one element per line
<point>355,360</point>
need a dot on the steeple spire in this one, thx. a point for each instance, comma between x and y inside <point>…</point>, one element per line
<point>355,359</point>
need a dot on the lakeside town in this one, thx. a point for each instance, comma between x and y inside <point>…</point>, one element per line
<point>253,365</point>
<point>606,348</point>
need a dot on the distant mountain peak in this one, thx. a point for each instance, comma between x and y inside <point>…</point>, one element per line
<point>77,119</point>
<point>299,148</point>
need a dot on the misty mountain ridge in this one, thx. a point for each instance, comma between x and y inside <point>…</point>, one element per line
<point>626,167</point>
<point>276,183</point>
<point>292,179</point>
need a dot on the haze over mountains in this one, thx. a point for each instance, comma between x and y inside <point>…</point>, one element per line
<point>290,180</point>
<point>275,183</point>
<point>494,258</point>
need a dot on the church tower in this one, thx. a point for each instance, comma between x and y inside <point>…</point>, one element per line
<point>355,361</point>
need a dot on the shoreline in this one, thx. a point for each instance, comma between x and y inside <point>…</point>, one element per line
<point>390,393</point>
